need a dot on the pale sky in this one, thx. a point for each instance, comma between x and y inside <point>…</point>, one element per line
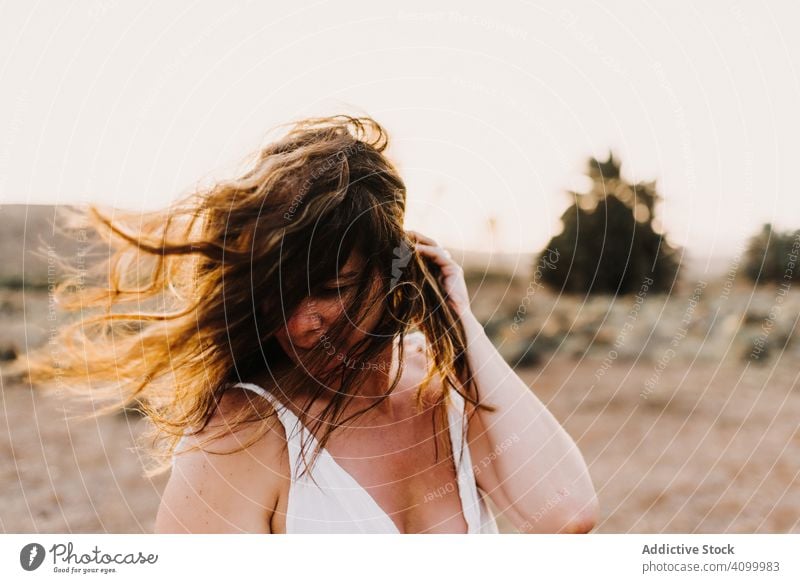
<point>492,107</point>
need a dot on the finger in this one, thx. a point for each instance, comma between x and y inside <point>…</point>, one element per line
<point>439,254</point>
<point>421,238</point>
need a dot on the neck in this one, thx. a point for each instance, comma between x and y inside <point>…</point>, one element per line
<point>376,380</point>
<point>375,383</point>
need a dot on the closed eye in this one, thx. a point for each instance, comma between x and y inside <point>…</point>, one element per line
<point>332,291</point>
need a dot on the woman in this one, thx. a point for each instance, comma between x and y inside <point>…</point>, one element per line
<point>310,366</point>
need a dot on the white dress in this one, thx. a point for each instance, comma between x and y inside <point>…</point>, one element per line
<point>337,504</point>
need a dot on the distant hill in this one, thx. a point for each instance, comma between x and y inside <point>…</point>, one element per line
<point>25,225</point>
<point>25,229</point>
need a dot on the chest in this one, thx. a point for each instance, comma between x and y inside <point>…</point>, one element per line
<point>402,470</point>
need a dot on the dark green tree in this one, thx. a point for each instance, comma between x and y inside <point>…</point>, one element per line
<point>772,256</point>
<point>609,242</point>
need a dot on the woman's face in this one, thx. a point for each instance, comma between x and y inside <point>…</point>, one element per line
<point>306,329</point>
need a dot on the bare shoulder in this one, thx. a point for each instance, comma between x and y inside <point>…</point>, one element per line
<point>416,346</point>
<point>223,487</point>
<point>415,358</point>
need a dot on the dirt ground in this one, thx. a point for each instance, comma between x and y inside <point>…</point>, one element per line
<point>714,447</point>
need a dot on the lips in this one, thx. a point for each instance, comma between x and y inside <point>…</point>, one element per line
<point>305,346</point>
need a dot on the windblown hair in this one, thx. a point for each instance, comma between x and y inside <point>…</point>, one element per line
<point>177,296</point>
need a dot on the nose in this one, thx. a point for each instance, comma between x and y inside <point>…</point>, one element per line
<point>306,324</point>
<point>309,320</point>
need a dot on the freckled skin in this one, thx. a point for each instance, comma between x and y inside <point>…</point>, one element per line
<point>392,456</point>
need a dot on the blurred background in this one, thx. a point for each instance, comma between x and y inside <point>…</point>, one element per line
<point>618,182</point>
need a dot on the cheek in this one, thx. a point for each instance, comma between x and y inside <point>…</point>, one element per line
<point>314,316</point>
<point>372,316</point>
<point>303,321</point>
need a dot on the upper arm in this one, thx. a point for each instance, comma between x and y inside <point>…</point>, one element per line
<point>482,456</point>
<point>488,479</point>
<point>214,492</point>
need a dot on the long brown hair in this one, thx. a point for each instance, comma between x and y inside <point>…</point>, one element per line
<point>177,299</point>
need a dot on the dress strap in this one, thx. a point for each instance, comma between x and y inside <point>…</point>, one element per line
<point>467,486</point>
<point>296,433</point>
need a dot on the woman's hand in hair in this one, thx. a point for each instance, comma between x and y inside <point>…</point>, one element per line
<point>451,278</point>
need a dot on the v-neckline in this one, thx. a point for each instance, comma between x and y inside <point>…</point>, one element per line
<point>349,477</point>
<point>339,468</point>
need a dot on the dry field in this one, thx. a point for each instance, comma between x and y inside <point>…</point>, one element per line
<point>701,443</point>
